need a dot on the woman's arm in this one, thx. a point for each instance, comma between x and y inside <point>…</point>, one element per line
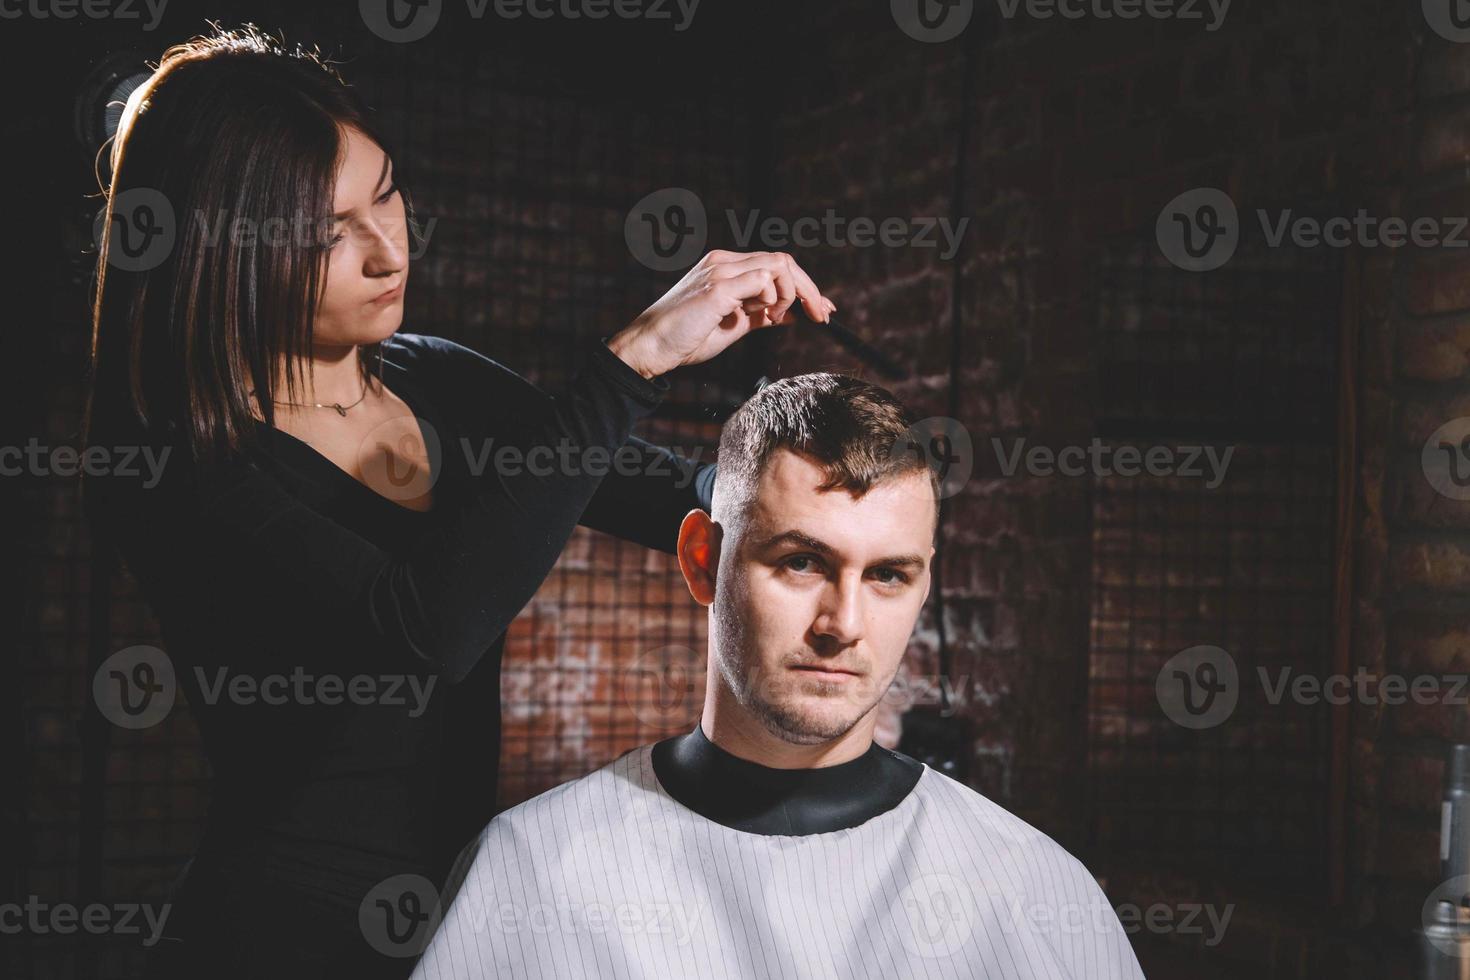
<point>645,501</point>
<point>646,489</point>
<point>230,538</point>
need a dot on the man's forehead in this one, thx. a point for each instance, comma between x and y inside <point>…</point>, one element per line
<point>789,499</point>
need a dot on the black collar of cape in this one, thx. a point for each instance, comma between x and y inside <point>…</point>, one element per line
<point>747,796</point>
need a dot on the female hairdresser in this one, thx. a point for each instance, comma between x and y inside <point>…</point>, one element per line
<point>338,630</point>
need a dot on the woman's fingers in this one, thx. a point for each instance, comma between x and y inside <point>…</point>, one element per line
<point>752,291</point>
<point>790,280</point>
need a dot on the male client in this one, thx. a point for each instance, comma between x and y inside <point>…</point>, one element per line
<point>777,839</point>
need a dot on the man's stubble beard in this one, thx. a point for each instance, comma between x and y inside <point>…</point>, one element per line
<point>742,677</point>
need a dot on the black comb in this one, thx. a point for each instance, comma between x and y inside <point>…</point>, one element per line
<point>856,345</point>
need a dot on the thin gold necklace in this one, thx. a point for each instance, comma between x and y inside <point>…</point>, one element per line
<point>338,406</point>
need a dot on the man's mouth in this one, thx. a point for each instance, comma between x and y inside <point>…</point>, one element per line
<point>826,672</point>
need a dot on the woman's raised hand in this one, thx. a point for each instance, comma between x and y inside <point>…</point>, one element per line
<point>722,297</point>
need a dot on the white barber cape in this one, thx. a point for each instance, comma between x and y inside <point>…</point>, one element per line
<point>609,876</point>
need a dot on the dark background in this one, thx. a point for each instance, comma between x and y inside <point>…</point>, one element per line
<point>1057,599</point>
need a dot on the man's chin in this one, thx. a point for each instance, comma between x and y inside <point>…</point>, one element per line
<point>807,724</point>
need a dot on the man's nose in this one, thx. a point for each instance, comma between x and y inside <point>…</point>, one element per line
<point>840,615</point>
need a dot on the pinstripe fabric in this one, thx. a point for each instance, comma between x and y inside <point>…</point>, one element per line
<point>608,876</point>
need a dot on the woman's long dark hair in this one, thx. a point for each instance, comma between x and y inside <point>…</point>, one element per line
<point>232,130</point>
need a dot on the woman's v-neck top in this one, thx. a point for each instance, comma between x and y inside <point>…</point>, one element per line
<point>341,652</point>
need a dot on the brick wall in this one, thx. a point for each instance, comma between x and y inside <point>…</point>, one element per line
<point>1064,139</point>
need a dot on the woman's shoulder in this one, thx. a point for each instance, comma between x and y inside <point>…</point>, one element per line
<point>430,352</point>
<point>452,369</point>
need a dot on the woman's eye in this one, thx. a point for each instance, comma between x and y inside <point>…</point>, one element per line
<point>388,193</point>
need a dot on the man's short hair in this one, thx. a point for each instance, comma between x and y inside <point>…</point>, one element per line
<point>856,431</point>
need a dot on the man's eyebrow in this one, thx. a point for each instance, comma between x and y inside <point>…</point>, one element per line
<point>344,215</point>
<point>804,540</point>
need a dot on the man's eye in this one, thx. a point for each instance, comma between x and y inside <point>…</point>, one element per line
<point>899,578</point>
<point>799,560</point>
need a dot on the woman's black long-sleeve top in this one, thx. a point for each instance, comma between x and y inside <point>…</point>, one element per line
<point>282,569</point>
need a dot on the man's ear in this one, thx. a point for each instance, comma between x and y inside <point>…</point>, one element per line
<point>699,554</point>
